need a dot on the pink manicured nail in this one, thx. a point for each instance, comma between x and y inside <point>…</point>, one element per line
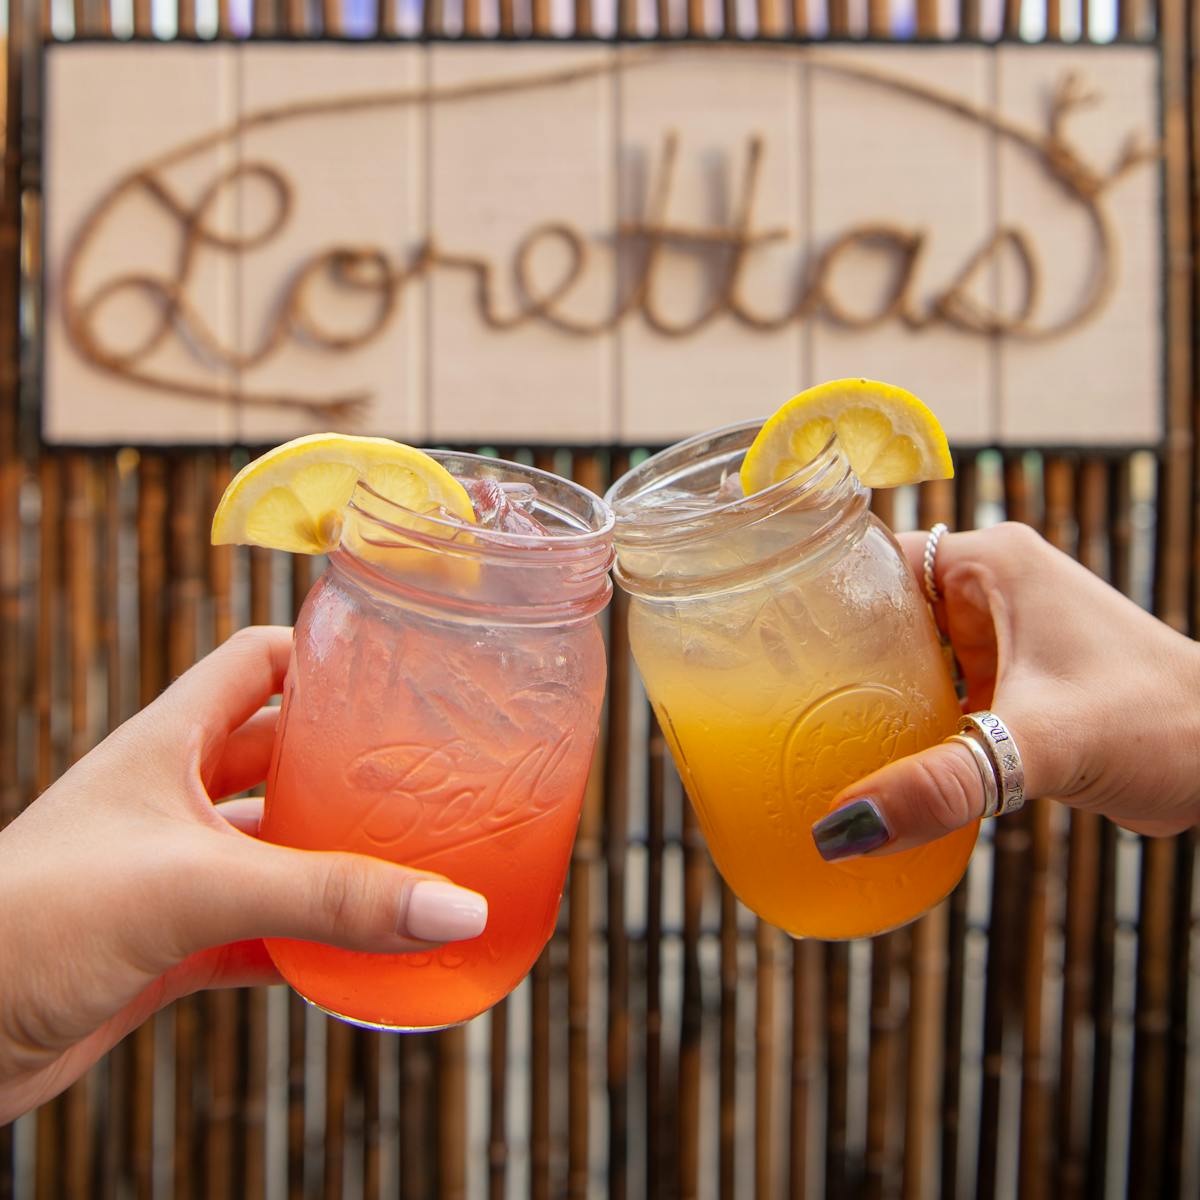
<point>441,912</point>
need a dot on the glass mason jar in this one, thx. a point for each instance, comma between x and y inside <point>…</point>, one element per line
<point>440,710</point>
<point>788,651</point>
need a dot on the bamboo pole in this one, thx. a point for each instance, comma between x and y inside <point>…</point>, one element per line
<point>952,1051</point>
<point>586,470</point>
<point>839,18</point>
<point>837,1068</point>
<point>253,1003</point>
<point>80,545</point>
<point>806,1064</point>
<point>452,1114</point>
<point>883,1166</point>
<point>800,26</point>
<point>539,1033</point>
<point>497,1106</point>
<point>338,1047</point>
<point>1053,21</point>
<point>879,19</point>
<point>926,1043</point>
<point>654,1130</point>
<point>695,872</point>
<point>152,673</point>
<point>583,18</point>
<point>927,26</point>
<point>370,1049</point>
<point>418,1166</point>
<point>968,18</point>
<point>48,1182</point>
<point>727,1052</point>
<point>616,836</point>
<point>187,18</point>
<point>1179,1119</point>
<point>185,574</point>
<point>1012,19</point>
<point>766,1054</point>
<point>1083,884</point>
<point>770,18</point>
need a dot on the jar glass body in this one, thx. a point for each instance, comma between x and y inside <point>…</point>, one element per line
<point>449,729</point>
<point>788,652</point>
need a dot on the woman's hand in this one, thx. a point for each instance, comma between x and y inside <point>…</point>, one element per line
<point>123,887</point>
<point>1102,699</point>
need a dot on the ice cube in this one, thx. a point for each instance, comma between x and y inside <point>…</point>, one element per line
<point>501,507</point>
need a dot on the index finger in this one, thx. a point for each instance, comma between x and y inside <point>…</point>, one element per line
<point>227,687</point>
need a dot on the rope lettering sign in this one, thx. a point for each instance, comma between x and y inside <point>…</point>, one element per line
<point>592,233</point>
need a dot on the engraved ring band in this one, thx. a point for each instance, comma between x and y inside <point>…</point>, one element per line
<point>995,752</point>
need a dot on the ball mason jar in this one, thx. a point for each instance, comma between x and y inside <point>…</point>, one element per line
<point>788,652</point>
<point>440,710</point>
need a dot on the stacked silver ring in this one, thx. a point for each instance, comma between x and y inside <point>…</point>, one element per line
<point>994,749</point>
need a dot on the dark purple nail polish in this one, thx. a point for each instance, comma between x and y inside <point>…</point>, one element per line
<point>851,830</point>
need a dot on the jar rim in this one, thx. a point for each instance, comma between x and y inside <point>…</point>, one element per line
<point>437,532</point>
<point>827,467</point>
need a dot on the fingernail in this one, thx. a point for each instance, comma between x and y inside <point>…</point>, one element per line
<point>441,912</point>
<point>850,830</point>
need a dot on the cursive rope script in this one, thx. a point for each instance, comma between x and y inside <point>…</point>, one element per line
<point>369,272</point>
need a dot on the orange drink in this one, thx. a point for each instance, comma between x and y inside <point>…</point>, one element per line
<point>440,711</point>
<point>788,651</point>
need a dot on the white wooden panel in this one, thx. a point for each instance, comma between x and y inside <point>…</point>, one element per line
<point>355,182</point>
<point>500,165</point>
<point>883,157</point>
<point>727,371</point>
<point>1102,382</point>
<point>105,117</point>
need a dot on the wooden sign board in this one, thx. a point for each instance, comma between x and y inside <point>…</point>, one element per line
<point>593,244</point>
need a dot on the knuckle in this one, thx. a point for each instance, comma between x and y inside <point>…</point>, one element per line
<point>344,898</point>
<point>942,798</point>
<point>1018,538</point>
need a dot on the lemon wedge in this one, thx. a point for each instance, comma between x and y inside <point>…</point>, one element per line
<point>293,497</point>
<point>888,435</point>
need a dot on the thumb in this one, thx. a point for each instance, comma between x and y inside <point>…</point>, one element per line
<point>258,889</point>
<point>913,801</point>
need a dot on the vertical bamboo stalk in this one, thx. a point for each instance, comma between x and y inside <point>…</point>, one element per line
<point>966,492</point>
<point>1131,18</point>
<point>1036,1148</point>
<point>1178,1130</point>
<point>418,1116</point>
<point>616,834</point>
<point>338,1047</point>
<point>1012,18</point>
<point>539,1035</point>
<point>883,1065</point>
<point>839,18</point>
<point>369,1047</point>
<point>452,1114</point>
<point>1102,1007</point>
<point>224,1148</point>
<point>152,673</point>
<point>727,1069</point>
<point>770,18</point>
<point>952,1052</point>
<point>1008,919</point>
<point>583,18</point>
<point>497,1106</point>
<point>1148,1150</point>
<point>253,1004</point>
<point>968,18</point>
<point>696,18</point>
<point>588,472</point>
<point>879,21</point>
<point>837,1072</point>
<point>807,1041</point>
<point>656,766</point>
<point>1053,21</point>
<point>695,871</point>
<point>295,17</point>
<point>927,18</point>
<point>800,25</point>
<point>187,18</point>
<point>1083,885</point>
<point>80,537</point>
<point>766,941</point>
<point>883,505</point>
<point>627,21</point>
<point>266,17</point>
<point>925,1047</point>
<point>48,1178</point>
<point>508,20</point>
<point>183,598</point>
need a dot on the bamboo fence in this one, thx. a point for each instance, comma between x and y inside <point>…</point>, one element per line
<point>1037,1034</point>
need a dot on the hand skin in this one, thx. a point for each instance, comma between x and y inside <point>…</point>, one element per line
<point>123,887</point>
<point>1102,699</point>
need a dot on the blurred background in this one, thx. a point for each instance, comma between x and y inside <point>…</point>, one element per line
<point>1036,1034</point>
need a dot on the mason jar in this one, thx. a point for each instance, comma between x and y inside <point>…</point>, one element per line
<point>440,710</point>
<point>788,652</point>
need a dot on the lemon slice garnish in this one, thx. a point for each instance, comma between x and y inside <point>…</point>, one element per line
<point>294,497</point>
<point>888,435</point>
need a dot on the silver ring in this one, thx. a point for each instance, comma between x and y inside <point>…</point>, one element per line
<point>997,739</point>
<point>987,773</point>
<point>931,546</point>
